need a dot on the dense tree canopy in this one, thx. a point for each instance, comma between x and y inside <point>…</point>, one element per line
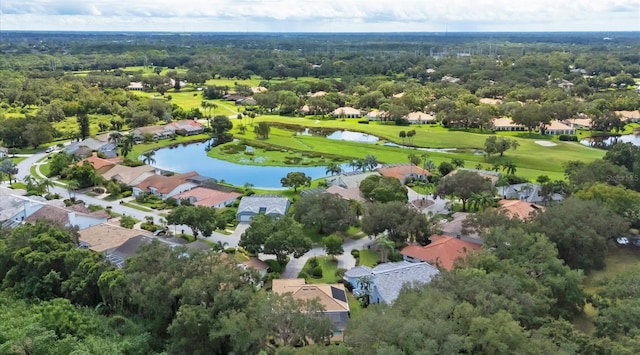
<point>325,213</point>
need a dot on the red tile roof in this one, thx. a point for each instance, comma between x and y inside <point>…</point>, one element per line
<point>519,209</point>
<point>443,251</point>
<point>99,163</point>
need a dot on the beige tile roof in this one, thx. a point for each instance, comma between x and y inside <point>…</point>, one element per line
<point>318,94</point>
<point>347,194</point>
<point>321,292</point>
<point>489,101</point>
<point>419,117</point>
<point>346,111</point>
<point>165,184</point>
<point>256,263</point>
<point>557,125</point>
<point>127,174</point>
<point>99,163</point>
<point>504,122</point>
<point>103,237</point>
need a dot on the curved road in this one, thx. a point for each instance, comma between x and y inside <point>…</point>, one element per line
<point>292,269</point>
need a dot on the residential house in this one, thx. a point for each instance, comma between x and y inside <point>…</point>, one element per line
<point>346,112</point>
<point>101,165</point>
<point>377,115</point>
<point>443,251</point>
<point>450,79</point>
<point>492,176</point>
<point>526,192</point>
<point>349,180</point>
<point>118,256</point>
<point>630,116</point>
<point>203,196</point>
<point>305,110</point>
<point>129,175</point>
<point>579,123</point>
<point>156,132</point>
<point>258,89</point>
<point>490,101</point>
<point>318,94</point>
<point>165,186</point>
<point>350,194</point>
<point>72,216</point>
<point>454,227</point>
<point>105,237</point>
<point>520,209</point>
<point>404,172</point>
<point>135,86</point>
<point>419,118</point>
<point>4,152</point>
<point>332,297</point>
<point>556,127</point>
<point>85,147</point>
<point>506,124</point>
<point>185,127</point>
<point>256,264</point>
<point>15,208</point>
<point>246,101</point>
<point>385,281</point>
<point>271,205</point>
<point>398,95</point>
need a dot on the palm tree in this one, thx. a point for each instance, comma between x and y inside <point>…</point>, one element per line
<point>485,199</point>
<point>97,180</point>
<point>385,246</point>
<point>72,186</point>
<point>478,166</point>
<point>402,135</point>
<point>115,137</point>
<point>457,162</point>
<point>509,167</point>
<point>30,181</point>
<point>356,207</point>
<point>495,167</point>
<point>45,184</point>
<point>474,201</point>
<point>148,158</point>
<point>333,168</point>
<point>127,144</point>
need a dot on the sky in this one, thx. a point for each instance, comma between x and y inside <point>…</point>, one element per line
<point>320,15</point>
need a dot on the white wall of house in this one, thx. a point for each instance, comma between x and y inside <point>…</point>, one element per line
<point>30,207</point>
<point>179,189</point>
<point>84,222</point>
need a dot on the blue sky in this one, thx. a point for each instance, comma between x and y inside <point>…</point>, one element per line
<point>321,15</point>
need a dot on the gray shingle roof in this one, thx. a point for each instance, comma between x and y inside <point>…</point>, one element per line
<point>391,279</point>
<point>349,180</point>
<point>359,271</point>
<point>267,204</point>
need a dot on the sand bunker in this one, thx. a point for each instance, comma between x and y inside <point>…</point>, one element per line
<point>545,143</point>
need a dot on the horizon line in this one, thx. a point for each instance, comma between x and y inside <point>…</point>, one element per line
<point>321,32</point>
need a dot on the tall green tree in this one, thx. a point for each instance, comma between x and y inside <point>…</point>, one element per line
<point>200,219</point>
<point>279,237</point>
<point>325,213</point>
<point>463,185</point>
<point>295,179</point>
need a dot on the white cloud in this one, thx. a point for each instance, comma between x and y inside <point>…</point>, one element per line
<point>321,15</point>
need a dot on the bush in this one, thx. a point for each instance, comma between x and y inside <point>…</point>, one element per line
<point>340,273</point>
<point>127,222</point>
<point>313,262</point>
<point>303,275</point>
<point>317,272</point>
<point>272,276</point>
<point>150,227</point>
<point>230,250</point>
<point>568,138</point>
<point>363,122</point>
<point>127,194</point>
<point>395,255</point>
<point>355,253</point>
<point>274,266</point>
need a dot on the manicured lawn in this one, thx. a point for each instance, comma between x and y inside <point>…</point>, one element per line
<point>17,160</point>
<point>138,207</point>
<point>18,186</point>
<point>241,153</point>
<point>329,267</point>
<point>69,126</point>
<point>354,305</point>
<point>368,257</point>
<point>531,159</point>
<point>354,233</point>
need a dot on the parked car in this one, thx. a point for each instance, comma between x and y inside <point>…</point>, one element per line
<point>50,149</point>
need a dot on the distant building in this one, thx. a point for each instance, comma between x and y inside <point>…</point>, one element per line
<point>556,127</point>
<point>202,196</point>
<point>404,172</point>
<point>86,147</point>
<point>346,112</point>
<point>419,118</point>
<point>105,237</point>
<point>72,216</point>
<point>349,180</point>
<point>506,124</point>
<point>185,127</point>
<point>527,192</point>
<point>165,186</point>
<point>520,209</point>
<point>156,132</point>
<point>492,176</point>
<point>129,175</point>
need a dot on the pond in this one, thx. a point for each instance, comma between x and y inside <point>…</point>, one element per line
<point>360,137</point>
<point>607,141</point>
<point>193,157</point>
